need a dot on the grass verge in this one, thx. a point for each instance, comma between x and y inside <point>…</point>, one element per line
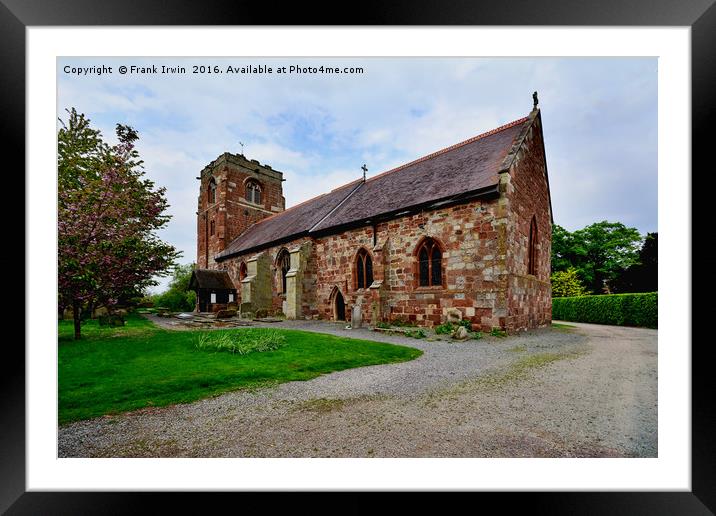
<point>114,370</point>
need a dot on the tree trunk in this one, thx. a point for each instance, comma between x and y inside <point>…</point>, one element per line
<point>76,308</point>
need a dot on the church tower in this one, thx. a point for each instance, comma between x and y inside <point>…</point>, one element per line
<point>235,192</point>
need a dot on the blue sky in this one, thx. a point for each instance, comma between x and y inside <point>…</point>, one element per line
<point>599,117</point>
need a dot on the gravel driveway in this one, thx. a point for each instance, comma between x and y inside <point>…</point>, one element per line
<point>590,391</point>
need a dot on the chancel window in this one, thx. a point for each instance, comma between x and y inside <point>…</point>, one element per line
<point>532,249</point>
<point>429,263</point>
<point>242,271</point>
<point>253,192</point>
<point>284,264</point>
<point>364,269</point>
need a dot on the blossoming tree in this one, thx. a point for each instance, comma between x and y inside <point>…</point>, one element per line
<point>108,213</point>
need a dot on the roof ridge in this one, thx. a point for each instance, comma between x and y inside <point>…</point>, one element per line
<point>361,181</point>
<point>452,147</point>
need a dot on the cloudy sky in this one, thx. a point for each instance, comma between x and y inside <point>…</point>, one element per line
<point>599,116</point>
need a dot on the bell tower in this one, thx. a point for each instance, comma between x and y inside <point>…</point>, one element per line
<point>234,193</point>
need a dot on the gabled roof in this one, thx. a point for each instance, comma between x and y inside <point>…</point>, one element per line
<point>211,279</point>
<point>467,167</point>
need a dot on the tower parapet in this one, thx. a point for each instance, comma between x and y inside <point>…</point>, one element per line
<point>235,192</point>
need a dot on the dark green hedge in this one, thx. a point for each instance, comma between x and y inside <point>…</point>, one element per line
<point>617,309</point>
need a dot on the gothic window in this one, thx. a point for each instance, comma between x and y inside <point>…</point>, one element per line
<point>212,191</point>
<point>429,263</point>
<point>532,248</point>
<point>242,271</point>
<point>364,269</point>
<point>253,192</point>
<point>212,227</point>
<point>284,264</point>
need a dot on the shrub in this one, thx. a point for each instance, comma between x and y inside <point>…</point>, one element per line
<point>616,309</point>
<point>477,335</point>
<point>466,323</point>
<point>416,334</point>
<point>497,332</point>
<point>445,329</point>
<point>383,325</point>
<point>176,301</point>
<point>241,341</point>
<point>111,320</point>
<point>567,284</point>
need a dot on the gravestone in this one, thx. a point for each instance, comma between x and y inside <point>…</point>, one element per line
<point>356,316</point>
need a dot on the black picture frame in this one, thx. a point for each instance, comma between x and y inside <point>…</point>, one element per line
<point>700,16</point>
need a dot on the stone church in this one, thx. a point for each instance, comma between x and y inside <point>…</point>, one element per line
<point>467,227</point>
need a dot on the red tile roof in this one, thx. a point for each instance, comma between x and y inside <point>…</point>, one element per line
<point>212,279</point>
<point>465,167</point>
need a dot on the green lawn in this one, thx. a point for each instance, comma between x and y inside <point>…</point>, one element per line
<point>140,365</point>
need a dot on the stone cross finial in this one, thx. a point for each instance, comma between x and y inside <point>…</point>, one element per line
<point>364,169</point>
<point>534,100</point>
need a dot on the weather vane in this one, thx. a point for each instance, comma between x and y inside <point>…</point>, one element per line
<point>242,147</point>
<point>364,169</point>
<point>534,100</point>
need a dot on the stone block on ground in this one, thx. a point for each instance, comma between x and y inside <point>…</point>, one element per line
<point>460,333</point>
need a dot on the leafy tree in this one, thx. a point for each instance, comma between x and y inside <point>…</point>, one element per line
<point>107,215</point>
<point>599,252</point>
<point>178,297</point>
<point>644,275</point>
<point>81,150</point>
<point>563,253</point>
<point>567,284</point>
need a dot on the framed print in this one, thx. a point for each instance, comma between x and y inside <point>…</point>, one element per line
<point>372,189</point>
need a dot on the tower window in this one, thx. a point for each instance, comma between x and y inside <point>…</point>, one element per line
<point>253,192</point>
<point>212,191</point>
<point>212,227</point>
<point>429,263</point>
<point>532,248</point>
<point>364,269</point>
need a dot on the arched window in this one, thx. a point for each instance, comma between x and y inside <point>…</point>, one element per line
<point>283,262</point>
<point>212,191</point>
<point>532,248</point>
<point>242,271</point>
<point>364,269</point>
<point>430,270</point>
<point>253,192</point>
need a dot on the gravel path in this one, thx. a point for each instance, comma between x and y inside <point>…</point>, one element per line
<point>585,392</point>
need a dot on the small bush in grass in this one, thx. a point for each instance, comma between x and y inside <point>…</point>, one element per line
<point>111,320</point>
<point>497,332</point>
<point>241,342</point>
<point>383,325</point>
<point>477,335</point>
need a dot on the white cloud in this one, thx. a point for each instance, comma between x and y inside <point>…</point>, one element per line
<point>599,118</point>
